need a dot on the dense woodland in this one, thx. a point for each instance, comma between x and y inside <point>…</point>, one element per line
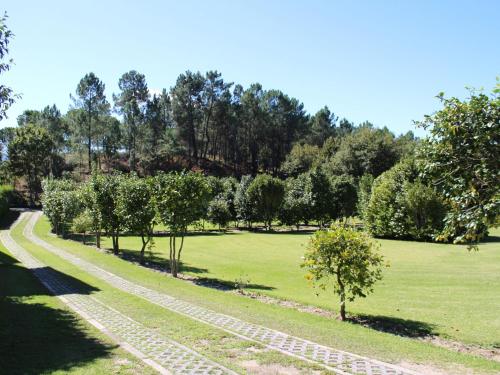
<point>204,122</point>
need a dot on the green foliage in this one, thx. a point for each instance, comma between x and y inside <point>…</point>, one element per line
<point>265,194</point>
<point>135,207</point>
<point>366,150</point>
<point>102,201</point>
<point>29,156</point>
<point>242,202</point>
<point>7,95</point>
<point>401,206</point>
<point>297,202</point>
<point>5,194</point>
<point>344,259</point>
<point>300,159</point>
<point>364,193</point>
<point>322,126</point>
<point>181,199</point>
<point>61,204</point>
<point>345,196</point>
<point>322,209</point>
<point>218,211</point>
<point>461,156</point>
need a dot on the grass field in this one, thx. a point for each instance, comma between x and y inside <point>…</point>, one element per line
<point>428,288</point>
<point>351,337</point>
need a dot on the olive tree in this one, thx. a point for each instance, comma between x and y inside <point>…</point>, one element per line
<point>136,208</point>
<point>181,199</point>
<point>345,260</point>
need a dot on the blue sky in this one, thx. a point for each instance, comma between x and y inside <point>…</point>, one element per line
<point>382,61</point>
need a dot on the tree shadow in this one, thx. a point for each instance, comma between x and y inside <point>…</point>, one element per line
<point>219,284</point>
<point>395,326</point>
<point>490,239</point>
<point>34,337</point>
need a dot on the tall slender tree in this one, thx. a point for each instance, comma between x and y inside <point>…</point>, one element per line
<point>130,103</point>
<point>91,98</point>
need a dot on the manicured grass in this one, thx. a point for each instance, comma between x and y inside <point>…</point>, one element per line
<point>433,288</point>
<point>213,343</point>
<point>330,332</point>
<point>39,335</point>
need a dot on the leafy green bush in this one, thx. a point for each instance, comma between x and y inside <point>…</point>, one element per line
<point>266,195</point>
<point>61,203</point>
<point>5,194</point>
<point>297,202</point>
<point>401,206</point>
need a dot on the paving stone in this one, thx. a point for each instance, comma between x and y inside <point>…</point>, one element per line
<point>333,359</point>
<point>171,356</point>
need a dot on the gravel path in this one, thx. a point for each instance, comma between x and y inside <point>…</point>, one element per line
<point>161,353</point>
<point>338,361</point>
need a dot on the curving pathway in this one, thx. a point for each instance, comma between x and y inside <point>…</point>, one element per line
<point>161,353</point>
<point>335,360</point>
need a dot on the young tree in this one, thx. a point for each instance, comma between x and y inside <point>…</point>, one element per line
<point>322,197</point>
<point>297,202</point>
<point>265,194</point>
<point>344,195</point>
<point>90,97</point>
<point>7,95</point>
<point>136,208</point>
<point>218,211</point>
<point>102,199</point>
<point>60,203</point>
<point>181,199</point>
<point>242,203</point>
<point>131,104</point>
<point>29,157</point>
<point>461,156</point>
<point>344,259</point>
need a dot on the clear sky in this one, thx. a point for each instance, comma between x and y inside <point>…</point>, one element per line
<point>382,61</point>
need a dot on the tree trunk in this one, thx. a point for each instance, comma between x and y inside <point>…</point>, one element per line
<point>98,239</point>
<point>342,297</point>
<point>144,243</point>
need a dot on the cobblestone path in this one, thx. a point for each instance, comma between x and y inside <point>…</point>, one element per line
<point>338,361</point>
<point>163,354</point>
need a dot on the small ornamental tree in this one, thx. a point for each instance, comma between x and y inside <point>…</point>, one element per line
<point>181,199</point>
<point>218,211</point>
<point>297,202</point>
<point>104,199</point>
<point>266,195</point>
<point>345,260</point>
<point>322,197</point>
<point>82,224</point>
<point>136,208</point>
<point>242,204</point>
<point>60,203</point>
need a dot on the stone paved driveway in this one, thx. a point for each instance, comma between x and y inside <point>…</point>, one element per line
<point>160,352</point>
<point>338,361</point>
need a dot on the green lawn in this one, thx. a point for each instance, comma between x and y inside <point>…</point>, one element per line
<point>436,288</point>
<point>351,337</point>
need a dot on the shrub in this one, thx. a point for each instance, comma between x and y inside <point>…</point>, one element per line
<point>5,194</point>
<point>297,202</point>
<point>401,206</point>
<point>265,194</point>
<point>60,203</point>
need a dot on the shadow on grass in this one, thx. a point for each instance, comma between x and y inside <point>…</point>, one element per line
<point>395,326</point>
<point>220,284</point>
<point>34,337</point>
<point>491,239</point>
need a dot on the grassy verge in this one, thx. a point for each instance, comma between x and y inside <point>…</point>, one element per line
<point>351,337</point>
